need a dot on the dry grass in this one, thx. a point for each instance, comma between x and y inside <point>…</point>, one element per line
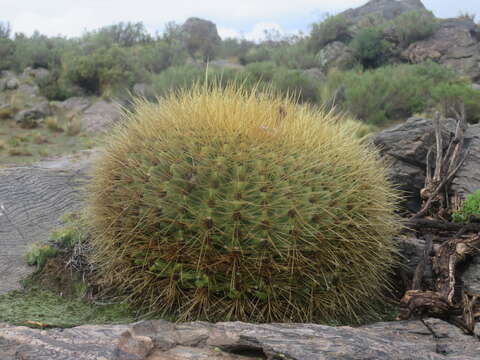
<point>234,205</point>
<point>53,124</point>
<point>74,126</point>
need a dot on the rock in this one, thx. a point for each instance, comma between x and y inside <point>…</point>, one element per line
<point>11,84</point>
<point>74,105</point>
<point>454,44</point>
<point>315,74</point>
<point>29,118</point>
<point>100,116</point>
<point>161,340</point>
<point>38,74</point>
<point>404,148</point>
<point>476,87</point>
<point>28,90</point>
<point>335,54</point>
<point>388,9</point>
<point>143,90</point>
<point>34,199</point>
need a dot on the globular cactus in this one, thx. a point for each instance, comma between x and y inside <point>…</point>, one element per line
<point>228,204</point>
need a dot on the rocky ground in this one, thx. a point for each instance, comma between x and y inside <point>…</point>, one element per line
<point>160,340</point>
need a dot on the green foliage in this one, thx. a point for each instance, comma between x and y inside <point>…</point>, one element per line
<point>413,26</point>
<point>158,56</point>
<point>333,28</point>
<point>262,71</point>
<point>104,70</point>
<point>256,54</point>
<point>296,82</point>
<point>451,95</point>
<point>38,254</point>
<point>123,34</point>
<point>391,92</point>
<point>234,48</point>
<point>226,204</point>
<point>38,307</point>
<point>469,210</point>
<point>294,56</point>
<point>370,48</point>
<point>7,54</point>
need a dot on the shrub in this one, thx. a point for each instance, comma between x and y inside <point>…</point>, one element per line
<point>158,56</point>
<point>7,53</point>
<point>294,56</point>
<point>105,70</point>
<point>388,93</point>
<point>333,28</point>
<point>370,48</point>
<point>450,95</point>
<point>256,54</point>
<point>262,71</point>
<point>38,254</point>
<point>413,26</point>
<point>296,82</point>
<point>123,34</point>
<point>469,210</point>
<point>226,204</point>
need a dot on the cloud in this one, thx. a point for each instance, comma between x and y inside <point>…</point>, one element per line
<point>71,18</point>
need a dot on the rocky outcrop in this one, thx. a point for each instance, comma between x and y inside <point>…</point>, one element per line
<point>455,44</point>
<point>335,54</point>
<point>405,148</point>
<point>388,9</point>
<point>100,116</point>
<point>161,340</point>
<point>32,201</point>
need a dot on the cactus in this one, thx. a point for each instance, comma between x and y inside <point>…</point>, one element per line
<point>231,204</point>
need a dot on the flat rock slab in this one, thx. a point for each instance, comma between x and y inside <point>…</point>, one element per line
<point>32,202</point>
<point>161,340</point>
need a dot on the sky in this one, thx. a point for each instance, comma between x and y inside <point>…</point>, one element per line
<point>241,18</point>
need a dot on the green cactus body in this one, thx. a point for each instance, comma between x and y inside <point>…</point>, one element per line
<point>215,205</point>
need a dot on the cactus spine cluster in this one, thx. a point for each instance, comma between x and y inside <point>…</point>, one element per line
<point>228,204</point>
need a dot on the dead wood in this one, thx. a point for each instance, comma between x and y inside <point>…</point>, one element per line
<point>447,300</point>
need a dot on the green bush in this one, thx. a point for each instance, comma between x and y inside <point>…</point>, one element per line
<point>450,95</point>
<point>294,56</point>
<point>370,48</point>
<point>7,54</point>
<point>333,28</point>
<point>413,26</point>
<point>256,54</point>
<point>470,209</point>
<point>234,48</point>
<point>262,71</point>
<point>223,204</point>
<point>123,34</point>
<point>107,69</point>
<point>38,254</point>
<point>158,56</point>
<point>389,93</point>
<point>295,82</point>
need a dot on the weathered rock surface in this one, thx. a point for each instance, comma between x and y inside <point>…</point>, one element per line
<point>32,201</point>
<point>29,118</point>
<point>388,9</point>
<point>405,148</point>
<point>161,340</point>
<point>335,54</point>
<point>100,116</point>
<point>455,44</point>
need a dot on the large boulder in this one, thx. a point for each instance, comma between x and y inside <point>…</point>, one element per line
<point>161,340</point>
<point>335,55</point>
<point>30,117</point>
<point>405,148</point>
<point>100,116</point>
<point>388,9</point>
<point>32,202</point>
<point>455,44</point>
